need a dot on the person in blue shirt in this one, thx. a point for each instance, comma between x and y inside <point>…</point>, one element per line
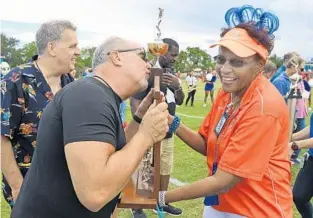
<point>87,73</point>
<point>123,112</point>
<point>278,73</point>
<point>283,83</point>
<point>303,187</point>
<point>282,68</point>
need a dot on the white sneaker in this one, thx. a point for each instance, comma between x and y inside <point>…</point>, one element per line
<point>204,105</point>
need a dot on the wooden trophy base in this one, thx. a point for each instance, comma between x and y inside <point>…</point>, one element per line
<point>132,198</point>
<point>146,197</point>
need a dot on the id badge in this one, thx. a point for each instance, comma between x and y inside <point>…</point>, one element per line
<point>221,124</point>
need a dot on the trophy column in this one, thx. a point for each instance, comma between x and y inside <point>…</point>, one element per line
<point>292,97</point>
<point>142,190</point>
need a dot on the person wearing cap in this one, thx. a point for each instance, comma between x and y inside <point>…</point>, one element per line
<point>245,135</point>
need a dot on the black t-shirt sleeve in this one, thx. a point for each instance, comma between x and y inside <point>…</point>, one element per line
<point>87,115</point>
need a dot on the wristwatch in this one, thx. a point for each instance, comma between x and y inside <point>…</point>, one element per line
<point>179,88</point>
<point>294,146</point>
<point>137,119</point>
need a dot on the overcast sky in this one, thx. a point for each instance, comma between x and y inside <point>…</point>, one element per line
<point>190,22</point>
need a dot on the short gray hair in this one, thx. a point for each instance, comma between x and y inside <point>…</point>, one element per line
<point>270,66</point>
<point>290,55</point>
<point>296,59</point>
<point>51,31</point>
<point>100,55</point>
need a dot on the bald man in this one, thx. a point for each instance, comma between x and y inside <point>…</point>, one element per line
<point>83,157</point>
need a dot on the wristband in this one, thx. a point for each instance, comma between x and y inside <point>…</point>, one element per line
<point>162,198</point>
<point>175,124</point>
<point>137,119</point>
<point>179,88</point>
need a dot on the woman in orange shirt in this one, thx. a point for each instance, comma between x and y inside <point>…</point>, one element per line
<point>245,135</point>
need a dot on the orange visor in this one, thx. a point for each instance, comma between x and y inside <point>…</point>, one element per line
<point>242,44</point>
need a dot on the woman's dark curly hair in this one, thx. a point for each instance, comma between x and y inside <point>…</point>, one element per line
<point>260,25</point>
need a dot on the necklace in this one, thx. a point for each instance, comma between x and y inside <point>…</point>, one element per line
<point>233,104</point>
<point>103,81</point>
<point>38,67</point>
<point>118,99</point>
<point>51,88</point>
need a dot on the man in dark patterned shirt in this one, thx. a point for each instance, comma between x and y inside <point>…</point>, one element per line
<point>25,92</point>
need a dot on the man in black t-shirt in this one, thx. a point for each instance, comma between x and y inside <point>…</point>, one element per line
<point>174,95</point>
<point>83,157</point>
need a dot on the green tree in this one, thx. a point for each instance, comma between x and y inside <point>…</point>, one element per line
<point>9,49</point>
<point>277,60</point>
<point>85,58</point>
<point>191,58</point>
<point>28,51</point>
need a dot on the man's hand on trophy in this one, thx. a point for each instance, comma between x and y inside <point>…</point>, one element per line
<point>146,102</point>
<point>154,125</point>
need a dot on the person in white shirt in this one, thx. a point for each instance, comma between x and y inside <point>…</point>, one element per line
<point>192,88</point>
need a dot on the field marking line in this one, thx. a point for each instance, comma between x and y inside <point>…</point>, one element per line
<point>190,116</point>
<point>177,182</point>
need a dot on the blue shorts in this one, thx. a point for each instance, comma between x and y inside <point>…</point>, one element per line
<point>209,87</point>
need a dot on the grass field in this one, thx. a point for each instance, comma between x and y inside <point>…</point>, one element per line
<point>188,165</point>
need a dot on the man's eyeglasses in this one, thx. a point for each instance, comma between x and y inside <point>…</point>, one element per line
<point>142,54</point>
<point>219,59</point>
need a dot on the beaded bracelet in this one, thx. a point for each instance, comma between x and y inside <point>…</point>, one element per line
<point>175,124</point>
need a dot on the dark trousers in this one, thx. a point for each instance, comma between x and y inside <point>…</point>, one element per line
<point>303,189</point>
<point>192,96</point>
<point>300,126</point>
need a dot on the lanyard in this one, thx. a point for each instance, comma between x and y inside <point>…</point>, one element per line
<point>220,130</point>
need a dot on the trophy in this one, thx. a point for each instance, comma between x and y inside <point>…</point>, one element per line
<point>149,170</point>
<point>292,97</point>
<point>143,188</point>
<point>158,48</point>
